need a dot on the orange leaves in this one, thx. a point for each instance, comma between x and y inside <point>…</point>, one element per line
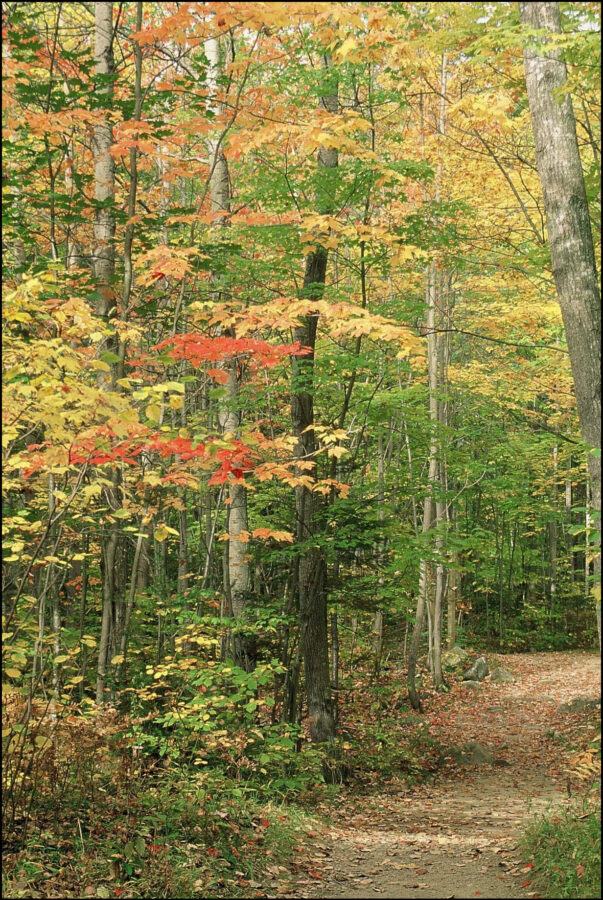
<point>218,375</point>
<point>262,533</point>
<point>164,261</point>
<point>265,533</point>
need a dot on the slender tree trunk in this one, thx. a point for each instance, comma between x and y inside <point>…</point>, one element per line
<point>104,271</point>
<point>238,575</point>
<point>501,579</point>
<point>453,587</point>
<point>569,230</point>
<point>335,661</point>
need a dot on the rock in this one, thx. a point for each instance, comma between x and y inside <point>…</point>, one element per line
<point>501,676</point>
<point>452,659</point>
<point>471,754</point>
<point>473,685</point>
<point>580,704</point>
<point>478,670</point>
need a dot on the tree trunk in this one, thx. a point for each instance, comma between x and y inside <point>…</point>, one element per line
<point>238,575</point>
<point>104,271</point>
<point>569,229</point>
<point>311,566</point>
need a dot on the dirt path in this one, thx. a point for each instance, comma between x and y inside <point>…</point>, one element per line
<point>457,837</point>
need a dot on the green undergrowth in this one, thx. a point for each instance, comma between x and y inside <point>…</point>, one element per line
<point>382,739</point>
<point>565,849</point>
<point>168,837</point>
<point>195,788</point>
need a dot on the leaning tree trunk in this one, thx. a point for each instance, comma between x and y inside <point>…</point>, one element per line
<point>569,230</point>
<point>311,565</point>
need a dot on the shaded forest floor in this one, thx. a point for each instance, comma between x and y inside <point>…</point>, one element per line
<point>458,835</point>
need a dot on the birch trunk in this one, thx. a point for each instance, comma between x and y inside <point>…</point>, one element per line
<point>237,582</point>
<point>104,271</point>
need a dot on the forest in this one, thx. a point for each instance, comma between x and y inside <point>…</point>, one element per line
<point>301,434</point>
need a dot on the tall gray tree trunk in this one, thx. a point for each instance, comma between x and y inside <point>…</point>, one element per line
<point>238,579</point>
<point>426,580</point>
<point>569,229</point>
<point>432,590</point>
<point>311,565</point>
<point>104,271</point>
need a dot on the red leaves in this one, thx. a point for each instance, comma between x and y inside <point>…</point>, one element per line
<point>234,460</point>
<point>124,451</point>
<point>183,447</point>
<point>198,348</point>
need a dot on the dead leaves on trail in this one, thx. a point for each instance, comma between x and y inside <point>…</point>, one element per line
<point>458,831</point>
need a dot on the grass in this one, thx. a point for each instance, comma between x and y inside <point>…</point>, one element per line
<point>566,851</point>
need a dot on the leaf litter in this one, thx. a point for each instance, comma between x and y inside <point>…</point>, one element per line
<point>456,835</point>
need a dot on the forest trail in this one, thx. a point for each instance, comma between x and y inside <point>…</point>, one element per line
<point>458,836</point>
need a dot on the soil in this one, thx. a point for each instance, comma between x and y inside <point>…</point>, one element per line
<point>458,836</point>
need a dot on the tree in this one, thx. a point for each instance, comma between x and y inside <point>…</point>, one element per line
<point>569,228</point>
<point>104,272</point>
<point>237,548</point>
<point>311,566</point>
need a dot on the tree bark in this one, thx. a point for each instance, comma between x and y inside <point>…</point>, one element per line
<point>311,565</point>
<point>238,575</point>
<point>569,229</point>
<point>104,271</point>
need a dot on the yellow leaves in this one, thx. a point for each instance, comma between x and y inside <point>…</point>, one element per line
<point>153,413</point>
<point>99,365</point>
<point>117,660</point>
<point>121,513</point>
<point>162,531</point>
<point>345,49</point>
<point>91,490</point>
<point>337,452</point>
<point>406,254</point>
